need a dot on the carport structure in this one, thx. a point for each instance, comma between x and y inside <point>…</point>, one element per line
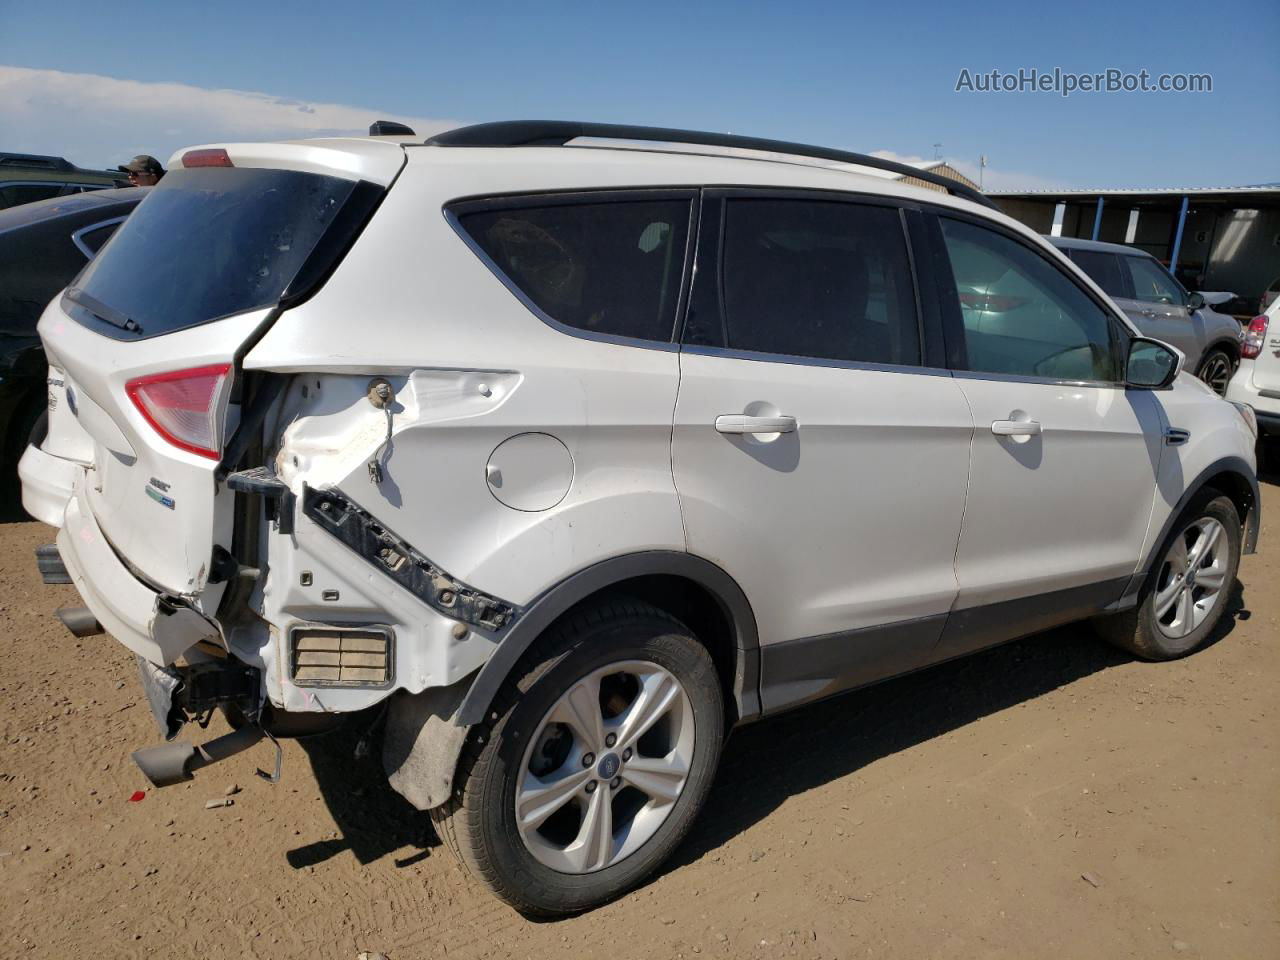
<point>1212,238</point>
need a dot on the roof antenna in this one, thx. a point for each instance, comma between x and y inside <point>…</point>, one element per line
<point>937,151</point>
<point>389,128</point>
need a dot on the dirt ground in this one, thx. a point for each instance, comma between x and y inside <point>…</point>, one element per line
<point>1051,798</point>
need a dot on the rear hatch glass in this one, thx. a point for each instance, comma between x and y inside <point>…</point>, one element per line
<point>189,280</point>
<point>206,244</point>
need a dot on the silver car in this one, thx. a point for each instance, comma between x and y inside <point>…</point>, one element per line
<point>1161,307</point>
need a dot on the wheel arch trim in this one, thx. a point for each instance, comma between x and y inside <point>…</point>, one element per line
<point>566,594</point>
<point>1235,467</point>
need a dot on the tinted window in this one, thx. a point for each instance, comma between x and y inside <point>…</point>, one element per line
<point>1103,269</point>
<point>210,242</point>
<point>1022,315</point>
<point>1151,282</point>
<point>13,194</point>
<point>610,267</point>
<point>36,262</point>
<point>815,278</point>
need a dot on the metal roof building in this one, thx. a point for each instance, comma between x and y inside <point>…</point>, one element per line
<point>1213,238</point>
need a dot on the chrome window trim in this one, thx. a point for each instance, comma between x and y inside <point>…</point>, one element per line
<point>729,353</point>
<point>568,198</point>
<point>78,237</point>
<point>1044,381</point>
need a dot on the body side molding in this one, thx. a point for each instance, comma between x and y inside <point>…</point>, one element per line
<point>550,605</point>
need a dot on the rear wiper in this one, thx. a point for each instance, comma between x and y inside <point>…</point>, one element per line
<point>103,312</point>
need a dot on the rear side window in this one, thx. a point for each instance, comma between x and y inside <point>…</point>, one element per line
<point>1022,315</point>
<point>1103,269</point>
<point>822,279</point>
<point>611,267</point>
<point>208,243</point>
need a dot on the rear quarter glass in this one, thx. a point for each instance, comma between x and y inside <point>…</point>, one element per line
<point>209,243</point>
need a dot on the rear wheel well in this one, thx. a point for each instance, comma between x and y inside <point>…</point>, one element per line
<point>693,605</point>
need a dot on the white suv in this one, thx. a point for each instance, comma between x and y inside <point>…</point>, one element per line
<point>571,457</point>
<point>1257,380</point>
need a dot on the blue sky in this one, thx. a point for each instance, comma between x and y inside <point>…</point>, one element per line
<point>867,78</point>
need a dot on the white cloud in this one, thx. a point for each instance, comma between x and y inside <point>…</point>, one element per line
<point>993,179</point>
<point>99,121</point>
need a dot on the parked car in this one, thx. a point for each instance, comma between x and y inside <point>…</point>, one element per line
<point>1161,307</point>
<point>1257,381</point>
<point>27,177</point>
<point>43,245</point>
<point>472,438</point>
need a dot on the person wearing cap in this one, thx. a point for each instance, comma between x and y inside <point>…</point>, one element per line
<point>143,171</point>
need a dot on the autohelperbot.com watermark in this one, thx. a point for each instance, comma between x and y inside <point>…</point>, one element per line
<point>1066,82</point>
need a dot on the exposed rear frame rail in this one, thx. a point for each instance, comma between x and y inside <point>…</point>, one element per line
<point>557,133</point>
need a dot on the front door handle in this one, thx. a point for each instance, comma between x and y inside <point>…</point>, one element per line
<point>741,423</point>
<point>1016,428</point>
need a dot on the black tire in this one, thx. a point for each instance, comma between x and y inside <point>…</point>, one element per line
<point>1216,369</point>
<point>478,824</point>
<point>1137,630</point>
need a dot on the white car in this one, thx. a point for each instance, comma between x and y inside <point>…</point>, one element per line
<point>572,456</point>
<point>1257,381</point>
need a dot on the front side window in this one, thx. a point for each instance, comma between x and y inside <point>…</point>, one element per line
<point>816,278</point>
<point>1022,315</point>
<point>1151,283</point>
<point>1103,269</point>
<point>610,267</point>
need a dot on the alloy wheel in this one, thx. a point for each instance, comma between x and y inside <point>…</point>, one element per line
<point>1216,372</point>
<point>1192,577</point>
<point>605,768</point>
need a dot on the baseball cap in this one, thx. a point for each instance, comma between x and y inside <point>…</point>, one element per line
<point>142,164</point>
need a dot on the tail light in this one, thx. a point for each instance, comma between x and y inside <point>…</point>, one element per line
<point>186,407</point>
<point>1253,337</point>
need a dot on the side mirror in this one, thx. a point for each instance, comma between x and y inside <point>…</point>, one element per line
<point>1217,299</point>
<point>1195,301</point>
<point>1151,365</point>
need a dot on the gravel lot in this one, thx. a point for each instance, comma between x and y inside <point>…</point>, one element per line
<point>1051,798</point>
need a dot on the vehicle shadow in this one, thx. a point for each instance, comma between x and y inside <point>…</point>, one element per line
<point>767,762</point>
<point>372,819</point>
<point>764,763</point>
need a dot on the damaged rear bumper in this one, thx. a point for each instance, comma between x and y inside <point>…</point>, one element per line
<point>151,625</point>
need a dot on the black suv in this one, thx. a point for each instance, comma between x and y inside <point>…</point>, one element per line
<point>25,177</point>
<point>43,246</point>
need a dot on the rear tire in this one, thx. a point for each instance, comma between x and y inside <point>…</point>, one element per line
<point>1187,589</point>
<point>636,789</point>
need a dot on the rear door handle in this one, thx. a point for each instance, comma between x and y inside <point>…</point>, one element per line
<point>1016,428</point>
<point>741,423</point>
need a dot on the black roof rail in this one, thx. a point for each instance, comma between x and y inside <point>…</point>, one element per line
<point>556,133</point>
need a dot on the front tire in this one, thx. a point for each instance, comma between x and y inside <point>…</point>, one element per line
<point>1187,589</point>
<point>604,746</point>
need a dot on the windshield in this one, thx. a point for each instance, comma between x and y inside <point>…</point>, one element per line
<point>208,243</point>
